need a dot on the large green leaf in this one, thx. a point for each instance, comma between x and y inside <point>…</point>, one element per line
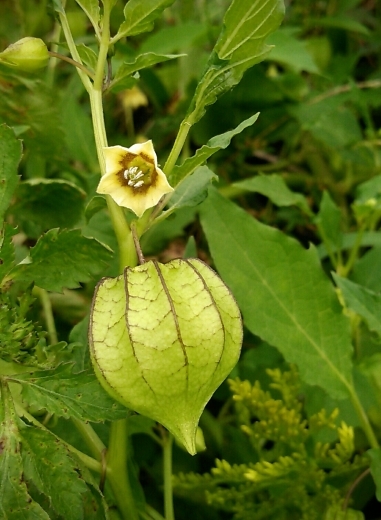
<point>69,395</point>
<point>7,250</point>
<point>363,301</point>
<point>10,153</point>
<point>139,17</point>
<point>283,293</point>
<point>241,45</point>
<point>218,142</point>
<point>62,259</point>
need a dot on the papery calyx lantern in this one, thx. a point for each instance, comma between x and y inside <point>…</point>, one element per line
<point>162,338</point>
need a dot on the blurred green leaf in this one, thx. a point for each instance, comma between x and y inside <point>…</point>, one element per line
<point>367,270</point>
<point>364,302</point>
<point>88,56</point>
<point>329,221</point>
<point>219,142</point>
<point>48,203</point>
<point>97,203</point>
<point>375,468</point>
<point>274,187</point>
<point>10,153</point>
<point>283,294</point>
<point>61,392</point>
<point>240,46</point>
<point>62,259</point>
<point>168,40</point>
<point>139,17</point>
<point>339,22</point>
<point>291,52</point>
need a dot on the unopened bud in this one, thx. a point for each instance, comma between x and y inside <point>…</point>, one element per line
<point>28,54</point>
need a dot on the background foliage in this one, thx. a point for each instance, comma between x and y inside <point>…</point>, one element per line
<point>291,224</point>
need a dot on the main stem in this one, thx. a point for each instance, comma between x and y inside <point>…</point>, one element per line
<point>117,474</point>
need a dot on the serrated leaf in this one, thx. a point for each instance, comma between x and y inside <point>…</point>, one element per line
<point>10,153</point>
<point>7,250</point>
<point>274,187</point>
<point>375,468</point>
<point>65,394</point>
<point>91,8</point>
<point>193,190</point>
<point>283,293</point>
<point>48,203</point>
<point>139,17</point>
<point>140,62</point>
<point>241,45</point>
<point>219,142</point>
<point>62,260</point>
<point>15,501</point>
<point>363,301</point>
<point>53,470</point>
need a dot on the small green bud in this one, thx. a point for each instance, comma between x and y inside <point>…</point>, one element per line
<point>28,54</point>
<point>163,338</point>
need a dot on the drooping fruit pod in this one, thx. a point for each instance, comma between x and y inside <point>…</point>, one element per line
<point>163,338</point>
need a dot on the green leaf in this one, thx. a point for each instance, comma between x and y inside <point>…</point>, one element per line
<point>62,259</point>
<point>283,293</point>
<point>53,470</point>
<point>219,142</point>
<point>193,190</point>
<point>375,468</point>
<point>329,221</point>
<point>291,52</point>
<point>141,62</point>
<point>7,250</point>
<point>65,394</point>
<point>10,153</point>
<point>241,45</point>
<point>157,323</point>
<point>48,203</point>
<point>364,302</point>
<point>88,56</point>
<point>91,8</point>
<point>274,187</point>
<point>366,271</point>
<point>15,502</point>
<point>139,17</point>
<point>97,203</point>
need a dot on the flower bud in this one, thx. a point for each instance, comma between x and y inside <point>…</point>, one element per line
<point>163,338</point>
<point>28,54</point>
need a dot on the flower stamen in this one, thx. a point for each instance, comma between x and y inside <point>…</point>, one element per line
<point>132,175</point>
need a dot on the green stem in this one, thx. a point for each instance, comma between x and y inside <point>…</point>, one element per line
<point>48,313</point>
<point>117,474</point>
<point>177,147</point>
<point>366,426</point>
<point>345,270</point>
<point>92,440</point>
<point>167,473</point>
<point>73,50</point>
<point>54,54</point>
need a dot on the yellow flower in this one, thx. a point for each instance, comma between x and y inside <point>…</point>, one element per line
<point>133,178</point>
